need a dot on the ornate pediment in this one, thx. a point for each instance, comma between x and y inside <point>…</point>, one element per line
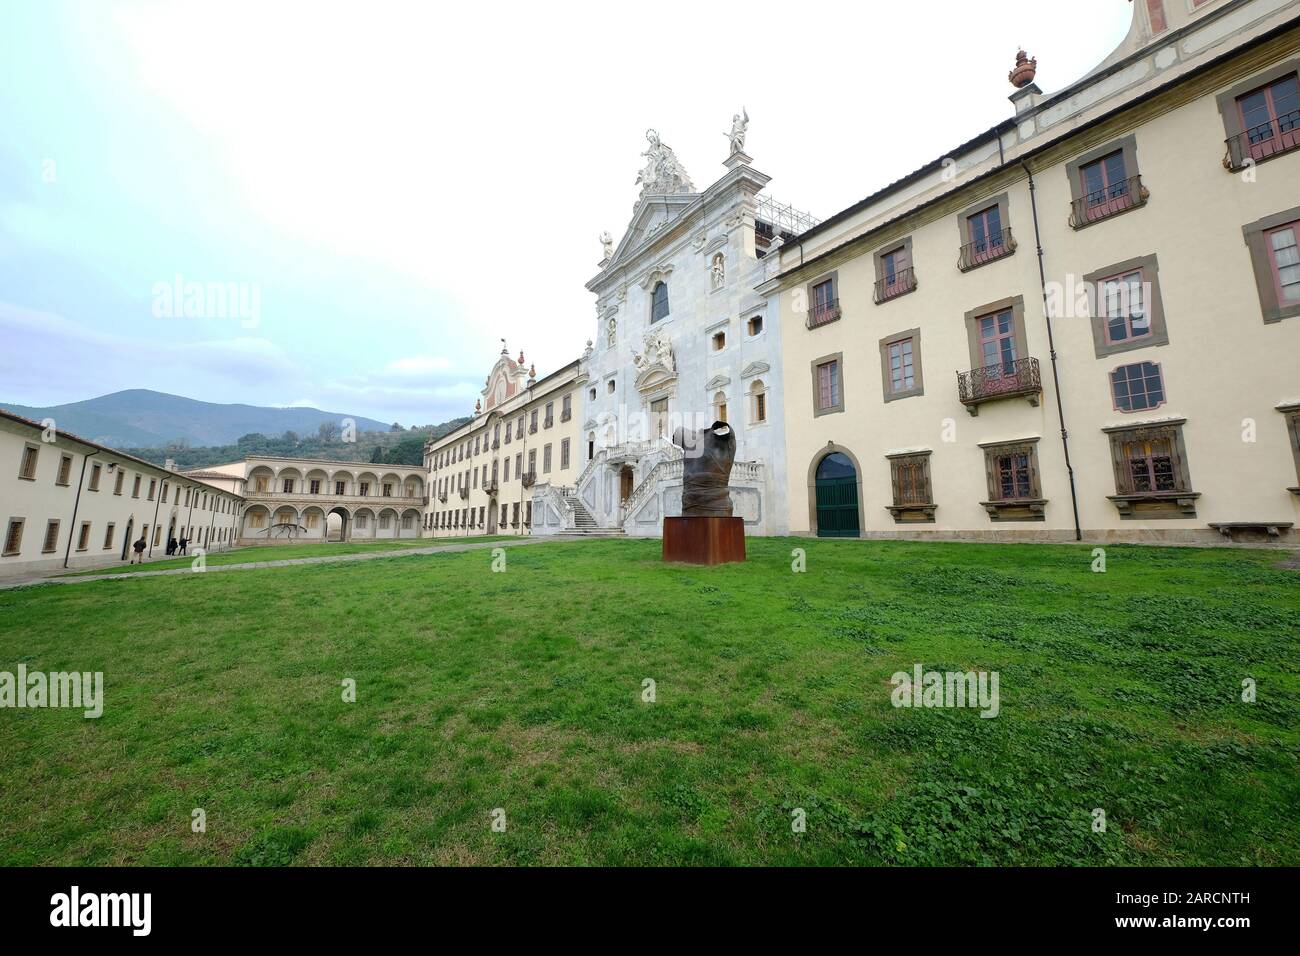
<point>655,275</point>
<point>663,174</point>
<point>755,368</point>
<point>718,381</point>
<point>656,366</point>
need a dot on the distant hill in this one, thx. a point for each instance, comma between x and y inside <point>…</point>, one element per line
<point>141,418</point>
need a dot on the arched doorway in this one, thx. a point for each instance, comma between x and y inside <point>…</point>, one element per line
<point>836,488</point>
<point>625,482</point>
<point>336,525</point>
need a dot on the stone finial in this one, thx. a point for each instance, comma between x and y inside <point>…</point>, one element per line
<point>521,357</point>
<point>1025,71</point>
<point>478,406</point>
<point>532,371</point>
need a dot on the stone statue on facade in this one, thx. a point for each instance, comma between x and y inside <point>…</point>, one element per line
<point>739,124</point>
<point>706,470</point>
<point>607,244</point>
<point>662,173</point>
<point>719,271</point>
<point>611,328</point>
<point>658,351</point>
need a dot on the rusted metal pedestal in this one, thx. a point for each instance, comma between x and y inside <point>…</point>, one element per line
<point>704,540</point>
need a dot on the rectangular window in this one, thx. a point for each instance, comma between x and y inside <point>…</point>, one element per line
<point>287,486</point>
<point>823,303</point>
<point>153,485</point>
<point>65,471</point>
<point>894,274</point>
<point>117,482</point>
<point>566,409</point>
<point>1292,413</point>
<point>532,460</point>
<point>755,325</point>
<point>135,487</point>
<point>338,488</point>
<point>1013,481</point>
<point>760,407</point>
<point>51,541</point>
<point>314,486</point>
<point>532,422</point>
<point>1275,259</point>
<point>27,467</point>
<point>164,492</point>
<point>388,489</point>
<point>546,459</point>
<point>408,522</point>
<point>1123,307</point>
<point>1151,475</point>
<point>827,386</point>
<point>1270,118</point>
<point>1284,262</point>
<point>514,515</point>
<point>311,519</point>
<point>564,454</point>
<point>985,229</point>
<point>108,535</point>
<point>14,536</point>
<point>550,414</point>
<point>997,343</point>
<point>1105,187</point>
<point>83,536</point>
<point>1138,387</point>
<point>719,341</point>
<point>659,416</point>
<point>95,470</point>
<point>900,358</point>
<point>364,490</point>
<point>910,478</point>
<point>384,520</point>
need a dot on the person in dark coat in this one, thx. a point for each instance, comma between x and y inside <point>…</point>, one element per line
<point>171,545</point>
<point>138,548</point>
<point>185,543</point>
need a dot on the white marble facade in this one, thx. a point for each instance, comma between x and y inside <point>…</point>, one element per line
<point>718,344</point>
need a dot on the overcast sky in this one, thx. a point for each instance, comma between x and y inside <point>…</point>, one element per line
<point>396,187</point>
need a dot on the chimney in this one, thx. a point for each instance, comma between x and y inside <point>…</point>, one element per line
<point>169,465</point>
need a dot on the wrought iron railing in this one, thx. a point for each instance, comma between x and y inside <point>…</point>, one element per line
<point>1115,198</point>
<point>1264,141</point>
<point>823,313</point>
<point>548,422</point>
<point>566,415</point>
<point>891,287</point>
<point>529,478</point>
<point>984,250</point>
<point>532,428</point>
<point>1002,380</point>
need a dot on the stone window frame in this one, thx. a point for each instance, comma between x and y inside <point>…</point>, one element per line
<point>1261,262</point>
<point>17,547</point>
<point>52,525</point>
<point>760,389</point>
<point>1178,503</point>
<point>63,477</point>
<point>878,259</point>
<point>818,411</point>
<point>833,277</point>
<point>1016,304</point>
<point>886,380</point>
<point>83,536</point>
<point>1149,265</point>
<point>1003,202</point>
<point>1031,508</point>
<point>566,455</point>
<point>1291,411</point>
<point>749,326</point>
<point>1230,111</point>
<point>911,512</point>
<point>29,446</point>
<point>1127,145</point>
<point>546,458</point>
<point>110,531</point>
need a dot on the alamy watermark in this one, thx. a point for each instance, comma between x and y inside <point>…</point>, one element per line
<point>181,299</point>
<point>924,688</point>
<point>77,690</point>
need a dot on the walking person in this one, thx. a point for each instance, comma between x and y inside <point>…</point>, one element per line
<point>171,545</point>
<point>184,543</point>
<point>138,548</point>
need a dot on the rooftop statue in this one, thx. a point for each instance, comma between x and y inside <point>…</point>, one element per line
<point>662,172</point>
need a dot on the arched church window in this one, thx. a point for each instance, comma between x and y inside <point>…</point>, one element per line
<point>659,302</point>
<point>758,400</point>
<point>720,406</point>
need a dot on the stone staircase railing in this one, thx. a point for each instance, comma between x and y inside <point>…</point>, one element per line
<point>663,471</point>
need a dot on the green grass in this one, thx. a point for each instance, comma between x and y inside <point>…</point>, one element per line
<point>522,690</point>
<point>284,552</point>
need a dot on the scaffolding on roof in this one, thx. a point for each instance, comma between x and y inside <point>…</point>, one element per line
<point>784,218</point>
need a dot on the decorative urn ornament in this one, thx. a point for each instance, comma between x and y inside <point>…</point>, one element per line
<point>1025,71</point>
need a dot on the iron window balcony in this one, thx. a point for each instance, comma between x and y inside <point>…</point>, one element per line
<point>529,478</point>
<point>1111,201</point>
<point>491,488</point>
<point>548,423</point>
<point>986,250</point>
<point>566,415</point>
<point>1263,142</point>
<point>823,313</point>
<point>903,282</point>
<point>1003,380</point>
<point>464,491</point>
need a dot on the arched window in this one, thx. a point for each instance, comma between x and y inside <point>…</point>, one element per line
<point>757,402</point>
<point>720,406</point>
<point>659,302</point>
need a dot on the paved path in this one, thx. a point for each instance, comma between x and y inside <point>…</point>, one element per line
<point>323,559</point>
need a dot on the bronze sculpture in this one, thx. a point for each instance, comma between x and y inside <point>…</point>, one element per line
<point>706,470</point>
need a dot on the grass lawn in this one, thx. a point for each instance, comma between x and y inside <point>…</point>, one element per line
<point>284,552</point>
<point>522,690</point>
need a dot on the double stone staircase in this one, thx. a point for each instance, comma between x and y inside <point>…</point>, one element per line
<point>583,522</point>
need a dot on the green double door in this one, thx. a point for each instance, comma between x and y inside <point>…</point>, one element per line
<point>837,498</point>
